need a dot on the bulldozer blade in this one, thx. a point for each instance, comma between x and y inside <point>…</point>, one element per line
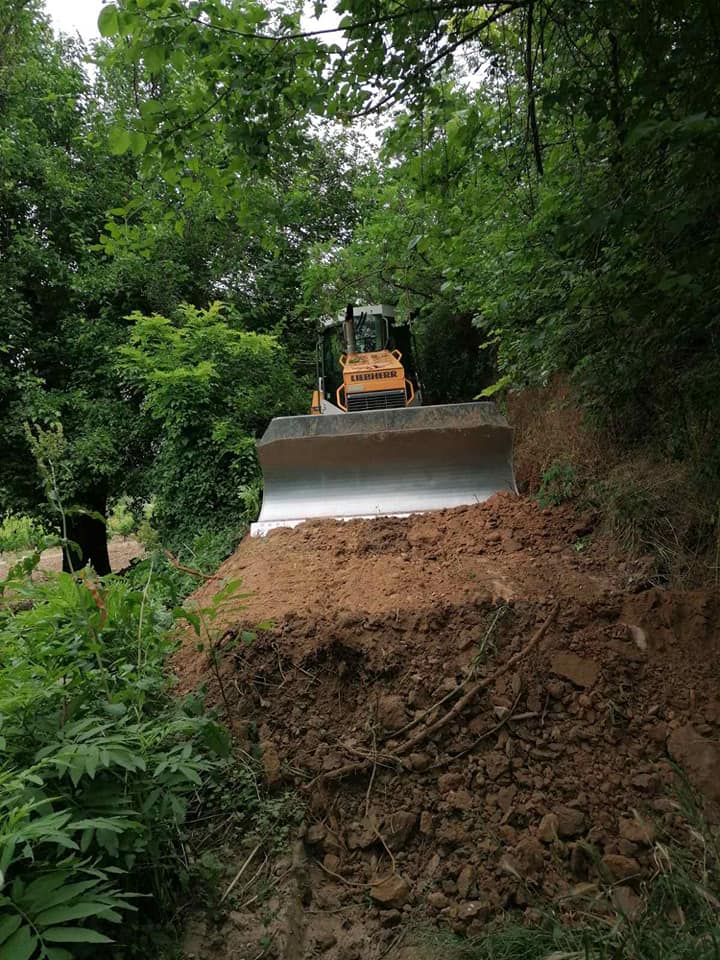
<point>382,463</point>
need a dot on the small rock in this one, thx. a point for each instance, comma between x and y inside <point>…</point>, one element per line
<point>271,763</point>
<point>618,867</point>
<point>699,757</point>
<point>398,829</point>
<point>331,861</point>
<point>627,902</point>
<point>637,830</point>
<point>548,829</point>
<point>437,900</point>
<point>473,910</point>
<point>449,781</point>
<point>393,892</point>
<point>325,941</point>
<point>465,880</point>
<point>426,823</point>
<point>391,712</point>
<point>496,764</point>
<point>419,761</point>
<point>584,526</point>
<point>570,822</point>
<point>530,854</point>
<point>581,671</point>
<point>505,797</point>
<point>646,781</point>
<point>638,636</point>
<point>360,836</point>
<point>431,867</point>
<point>316,833</point>
<point>459,799</point>
<point>556,689</point>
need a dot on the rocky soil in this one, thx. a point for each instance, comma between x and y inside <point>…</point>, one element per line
<point>482,709</point>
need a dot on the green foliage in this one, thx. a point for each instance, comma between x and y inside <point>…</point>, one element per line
<point>101,763</point>
<point>558,483</point>
<point>212,386</point>
<point>20,532</point>
<point>121,521</point>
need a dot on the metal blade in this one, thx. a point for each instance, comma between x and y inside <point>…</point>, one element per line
<point>383,462</point>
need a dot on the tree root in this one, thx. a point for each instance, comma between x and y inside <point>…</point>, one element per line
<point>471,691</point>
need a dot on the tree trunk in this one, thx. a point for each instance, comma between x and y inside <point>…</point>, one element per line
<point>90,535</point>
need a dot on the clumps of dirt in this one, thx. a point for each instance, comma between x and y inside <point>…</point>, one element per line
<point>427,803</point>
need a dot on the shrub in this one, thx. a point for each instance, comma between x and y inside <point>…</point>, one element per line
<point>558,483</point>
<point>101,764</point>
<point>19,532</point>
<point>121,522</point>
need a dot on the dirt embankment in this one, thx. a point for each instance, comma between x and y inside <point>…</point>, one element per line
<point>478,707</point>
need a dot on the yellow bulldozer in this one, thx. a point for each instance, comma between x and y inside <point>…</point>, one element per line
<point>369,447</point>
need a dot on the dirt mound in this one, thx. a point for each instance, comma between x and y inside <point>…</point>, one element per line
<point>476,705</point>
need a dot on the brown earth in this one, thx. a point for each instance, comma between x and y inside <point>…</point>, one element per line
<point>550,783</point>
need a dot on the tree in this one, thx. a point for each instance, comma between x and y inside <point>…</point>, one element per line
<point>211,386</point>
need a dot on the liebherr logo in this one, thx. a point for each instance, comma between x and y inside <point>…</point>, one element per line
<point>378,375</point>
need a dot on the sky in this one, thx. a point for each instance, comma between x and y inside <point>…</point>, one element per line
<point>76,16</point>
<point>80,16</point>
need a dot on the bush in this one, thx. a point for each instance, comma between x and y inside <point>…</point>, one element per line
<point>101,764</point>
<point>211,387</point>
<point>558,483</point>
<point>121,522</point>
<point>20,532</point>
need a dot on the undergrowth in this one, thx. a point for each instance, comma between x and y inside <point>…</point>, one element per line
<point>102,766</point>
<point>19,532</point>
<point>656,504</point>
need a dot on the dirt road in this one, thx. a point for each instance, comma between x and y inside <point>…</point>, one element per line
<point>121,551</point>
<point>550,783</point>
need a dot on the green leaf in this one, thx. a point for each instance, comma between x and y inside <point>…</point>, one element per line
<point>217,738</point>
<point>68,893</point>
<point>8,926</point>
<point>138,142</point>
<point>495,387</point>
<point>190,616</point>
<point>57,953</point>
<point>119,140</point>
<point>108,23</point>
<point>20,946</point>
<point>154,57</point>
<point>76,911</point>
<point>39,890</point>
<point>73,935</point>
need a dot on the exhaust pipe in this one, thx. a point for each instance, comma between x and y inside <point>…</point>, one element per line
<point>349,329</point>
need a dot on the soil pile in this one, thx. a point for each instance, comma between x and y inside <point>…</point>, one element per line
<point>478,706</point>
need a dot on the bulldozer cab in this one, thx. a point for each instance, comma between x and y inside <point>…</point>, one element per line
<point>375,330</point>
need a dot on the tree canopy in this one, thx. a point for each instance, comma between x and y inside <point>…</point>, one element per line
<point>531,182</point>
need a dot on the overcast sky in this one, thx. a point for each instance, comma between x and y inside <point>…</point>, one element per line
<point>80,16</point>
<point>76,16</point>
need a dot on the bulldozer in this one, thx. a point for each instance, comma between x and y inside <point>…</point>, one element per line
<point>369,447</point>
